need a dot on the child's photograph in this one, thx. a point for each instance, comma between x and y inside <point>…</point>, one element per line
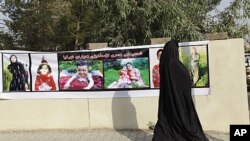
<point>155,55</point>
<point>126,73</point>
<point>44,70</point>
<point>81,75</point>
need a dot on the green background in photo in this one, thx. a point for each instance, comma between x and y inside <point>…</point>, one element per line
<point>70,66</point>
<point>203,64</point>
<point>7,78</point>
<point>112,69</point>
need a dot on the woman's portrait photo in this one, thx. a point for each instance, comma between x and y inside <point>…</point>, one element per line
<point>16,75</point>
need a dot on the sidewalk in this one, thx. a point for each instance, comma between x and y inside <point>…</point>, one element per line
<point>91,135</point>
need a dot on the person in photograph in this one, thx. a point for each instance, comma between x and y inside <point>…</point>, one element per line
<point>156,72</point>
<point>19,80</point>
<point>44,80</point>
<point>82,79</point>
<point>177,116</point>
<point>248,77</point>
<point>194,66</point>
<point>248,72</point>
<point>124,81</point>
<point>134,75</point>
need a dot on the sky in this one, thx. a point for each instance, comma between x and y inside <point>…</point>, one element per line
<point>224,4</point>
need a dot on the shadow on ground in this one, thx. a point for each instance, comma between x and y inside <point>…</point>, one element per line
<point>125,117</point>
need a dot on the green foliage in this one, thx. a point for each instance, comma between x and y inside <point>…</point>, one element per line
<point>203,67</point>
<point>112,75</point>
<point>203,71</point>
<point>71,24</point>
<point>145,76</point>
<point>6,41</point>
<point>140,63</point>
<point>7,78</point>
<point>203,81</point>
<point>234,20</point>
<point>123,23</point>
<point>113,67</point>
<point>70,66</point>
<point>184,20</point>
<point>185,60</point>
<point>96,65</point>
<point>113,63</point>
<point>203,60</point>
<point>48,25</point>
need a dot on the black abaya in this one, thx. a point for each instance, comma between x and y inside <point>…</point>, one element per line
<point>177,117</point>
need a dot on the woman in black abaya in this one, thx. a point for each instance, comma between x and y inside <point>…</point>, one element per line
<point>19,80</point>
<point>177,117</point>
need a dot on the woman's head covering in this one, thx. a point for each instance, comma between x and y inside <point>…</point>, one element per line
<point>170,55</point>
<point>15,57</point>
<point>170,51</point>
<point>177,117</point>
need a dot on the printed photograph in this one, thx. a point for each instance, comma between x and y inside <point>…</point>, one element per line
<point>126,73</point>
<point>195,59</point>
<point>81,75</point>
<point>16,75</point>
<point>44,71</point>
<point>155,55</point>
<point>247,66</point>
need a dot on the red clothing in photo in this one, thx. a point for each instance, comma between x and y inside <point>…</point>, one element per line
<point>45,83</point>
<point>75,84</point>
<point>156,76</point>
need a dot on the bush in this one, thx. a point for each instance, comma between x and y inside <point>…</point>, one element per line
<point>7,78</point>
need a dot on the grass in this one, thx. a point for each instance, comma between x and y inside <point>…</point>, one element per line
<point>203,80</point>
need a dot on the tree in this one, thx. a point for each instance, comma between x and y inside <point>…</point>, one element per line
<point>234,20</point>
<point>71,24</point>
<point>47,24</point>
<point>123,23</point>
<point>6,41</point>
<point>30,24</point>
<point>134,22</point>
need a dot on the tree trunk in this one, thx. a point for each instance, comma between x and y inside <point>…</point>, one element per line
<point>77,35</point>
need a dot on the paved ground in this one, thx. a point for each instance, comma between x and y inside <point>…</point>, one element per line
<point>91,135</point>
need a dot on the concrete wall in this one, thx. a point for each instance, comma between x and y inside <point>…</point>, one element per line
<point>97,45</point>
<point>227,104</point>
<point>159,40</point>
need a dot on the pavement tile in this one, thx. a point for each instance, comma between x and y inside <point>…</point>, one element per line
<point>92,135</point>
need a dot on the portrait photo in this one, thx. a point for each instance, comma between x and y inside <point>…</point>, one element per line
<point>44,70</point>
<point>16,74</point>
<point>81,75</point>
<point>195,59</point>
<point>126,73</point>
<point>155,54</point>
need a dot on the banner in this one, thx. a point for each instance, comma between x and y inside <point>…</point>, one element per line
<point>109,72</point>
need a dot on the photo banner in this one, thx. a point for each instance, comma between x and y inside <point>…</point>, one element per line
<point>109,72</point>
